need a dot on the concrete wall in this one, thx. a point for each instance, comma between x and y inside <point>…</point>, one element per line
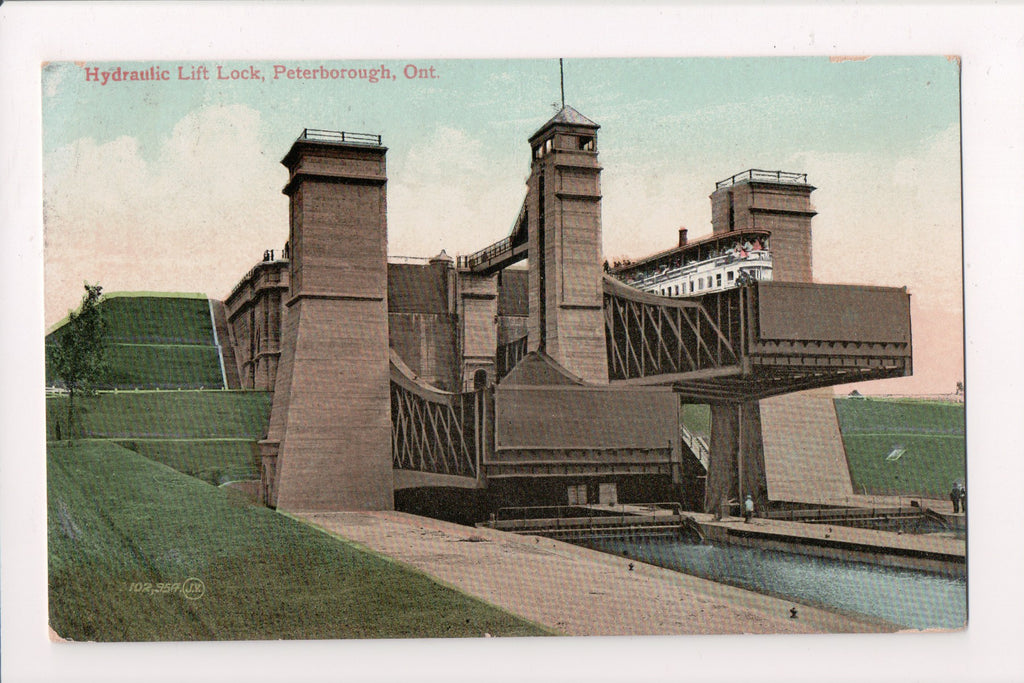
<point>254,315</point>
<point>478,325</point>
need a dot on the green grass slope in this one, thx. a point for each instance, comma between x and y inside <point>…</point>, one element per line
<point>167,414</point>
<point>932,434</point>
<point>206,434</point>
<point>157,342</point>
<point>150,319</point>
<point>126,534</point>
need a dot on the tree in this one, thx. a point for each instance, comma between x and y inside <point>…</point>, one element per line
<point>77,354</point>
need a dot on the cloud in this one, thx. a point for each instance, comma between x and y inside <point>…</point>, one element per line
<point>447,192</point>
<point>193,219</point>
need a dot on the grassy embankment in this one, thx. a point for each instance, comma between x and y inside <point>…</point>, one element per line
<point>206,434</point>
<point>158,341</point>
<point>931,432</point>
<point>166,341</point>
<point>125,534</point>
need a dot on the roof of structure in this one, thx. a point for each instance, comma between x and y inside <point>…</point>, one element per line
<point>539,369</point>
<point>566,116</point>
<point>569,115</point>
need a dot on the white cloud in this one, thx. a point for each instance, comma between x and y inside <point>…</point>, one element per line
<point>193,219</point>
<point>445,192</point>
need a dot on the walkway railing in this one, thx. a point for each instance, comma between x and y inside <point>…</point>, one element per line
<point>698,445</point>
<point>766,176</point>
<point>317,135</point>
<point>485,254</point>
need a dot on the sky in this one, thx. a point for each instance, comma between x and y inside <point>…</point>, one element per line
<point>175,185</point>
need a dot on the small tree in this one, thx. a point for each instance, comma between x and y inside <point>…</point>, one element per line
<point>77,355</point>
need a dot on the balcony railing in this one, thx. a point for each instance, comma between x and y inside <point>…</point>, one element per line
<point>318,135</point>
<point>764,176</point>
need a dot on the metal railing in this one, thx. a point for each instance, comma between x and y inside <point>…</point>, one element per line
<point>767,176</point>
<point>318,135</point>
<point>698,445</point>
<point>487,253</point>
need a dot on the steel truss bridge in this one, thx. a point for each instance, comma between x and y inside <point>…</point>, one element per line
<point>744,344</point>
<point>757,341</point>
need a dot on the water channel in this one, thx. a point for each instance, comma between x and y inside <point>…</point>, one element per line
<point>912,599</point>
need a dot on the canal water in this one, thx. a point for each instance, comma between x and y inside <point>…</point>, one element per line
<point>911,599</point>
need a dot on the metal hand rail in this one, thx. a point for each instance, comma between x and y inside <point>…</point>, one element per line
<point>761,174</point>
<point>319,135</point>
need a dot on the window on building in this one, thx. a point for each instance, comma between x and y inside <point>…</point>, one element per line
<point>586,143</point>
<point>718,280</point>
<point>731,275</point>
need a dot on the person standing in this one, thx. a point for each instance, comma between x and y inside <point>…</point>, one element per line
<point>748,508</point>
<point>963,499</point>
<point>954,497</point>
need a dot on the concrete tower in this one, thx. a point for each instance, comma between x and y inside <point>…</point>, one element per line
<point>761,447</point>
<point>329,442</point>
<point>776,201</point>
<point>564,226</point>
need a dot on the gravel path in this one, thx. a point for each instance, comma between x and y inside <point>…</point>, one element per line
<point>573,590</point>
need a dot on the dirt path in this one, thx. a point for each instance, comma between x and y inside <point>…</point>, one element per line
<point>574,590</point>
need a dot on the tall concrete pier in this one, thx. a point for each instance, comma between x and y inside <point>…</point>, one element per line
<point>756,446</point>
<point>564,226</point>
<point>329,438</point>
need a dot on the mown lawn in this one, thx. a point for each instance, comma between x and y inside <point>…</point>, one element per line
<point>166,414</point>
<point>213,461</point>
<point>162,366</point>
<point>157,366</point>
<point>146,318</point>
<point>157,342</point>
<point>210,435</point>
<point>931,434</point>
<point>126,534</point>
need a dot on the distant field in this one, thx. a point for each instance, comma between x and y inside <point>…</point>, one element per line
<point>118,522</point>
<point>697,419</point>
<point>157,342</point>
<point>932,434</point>
<point>206,434</point>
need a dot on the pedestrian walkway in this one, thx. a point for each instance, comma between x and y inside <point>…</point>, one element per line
<point>573,590</point>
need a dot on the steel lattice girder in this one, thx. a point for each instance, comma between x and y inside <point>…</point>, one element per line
<point>433,436</point>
